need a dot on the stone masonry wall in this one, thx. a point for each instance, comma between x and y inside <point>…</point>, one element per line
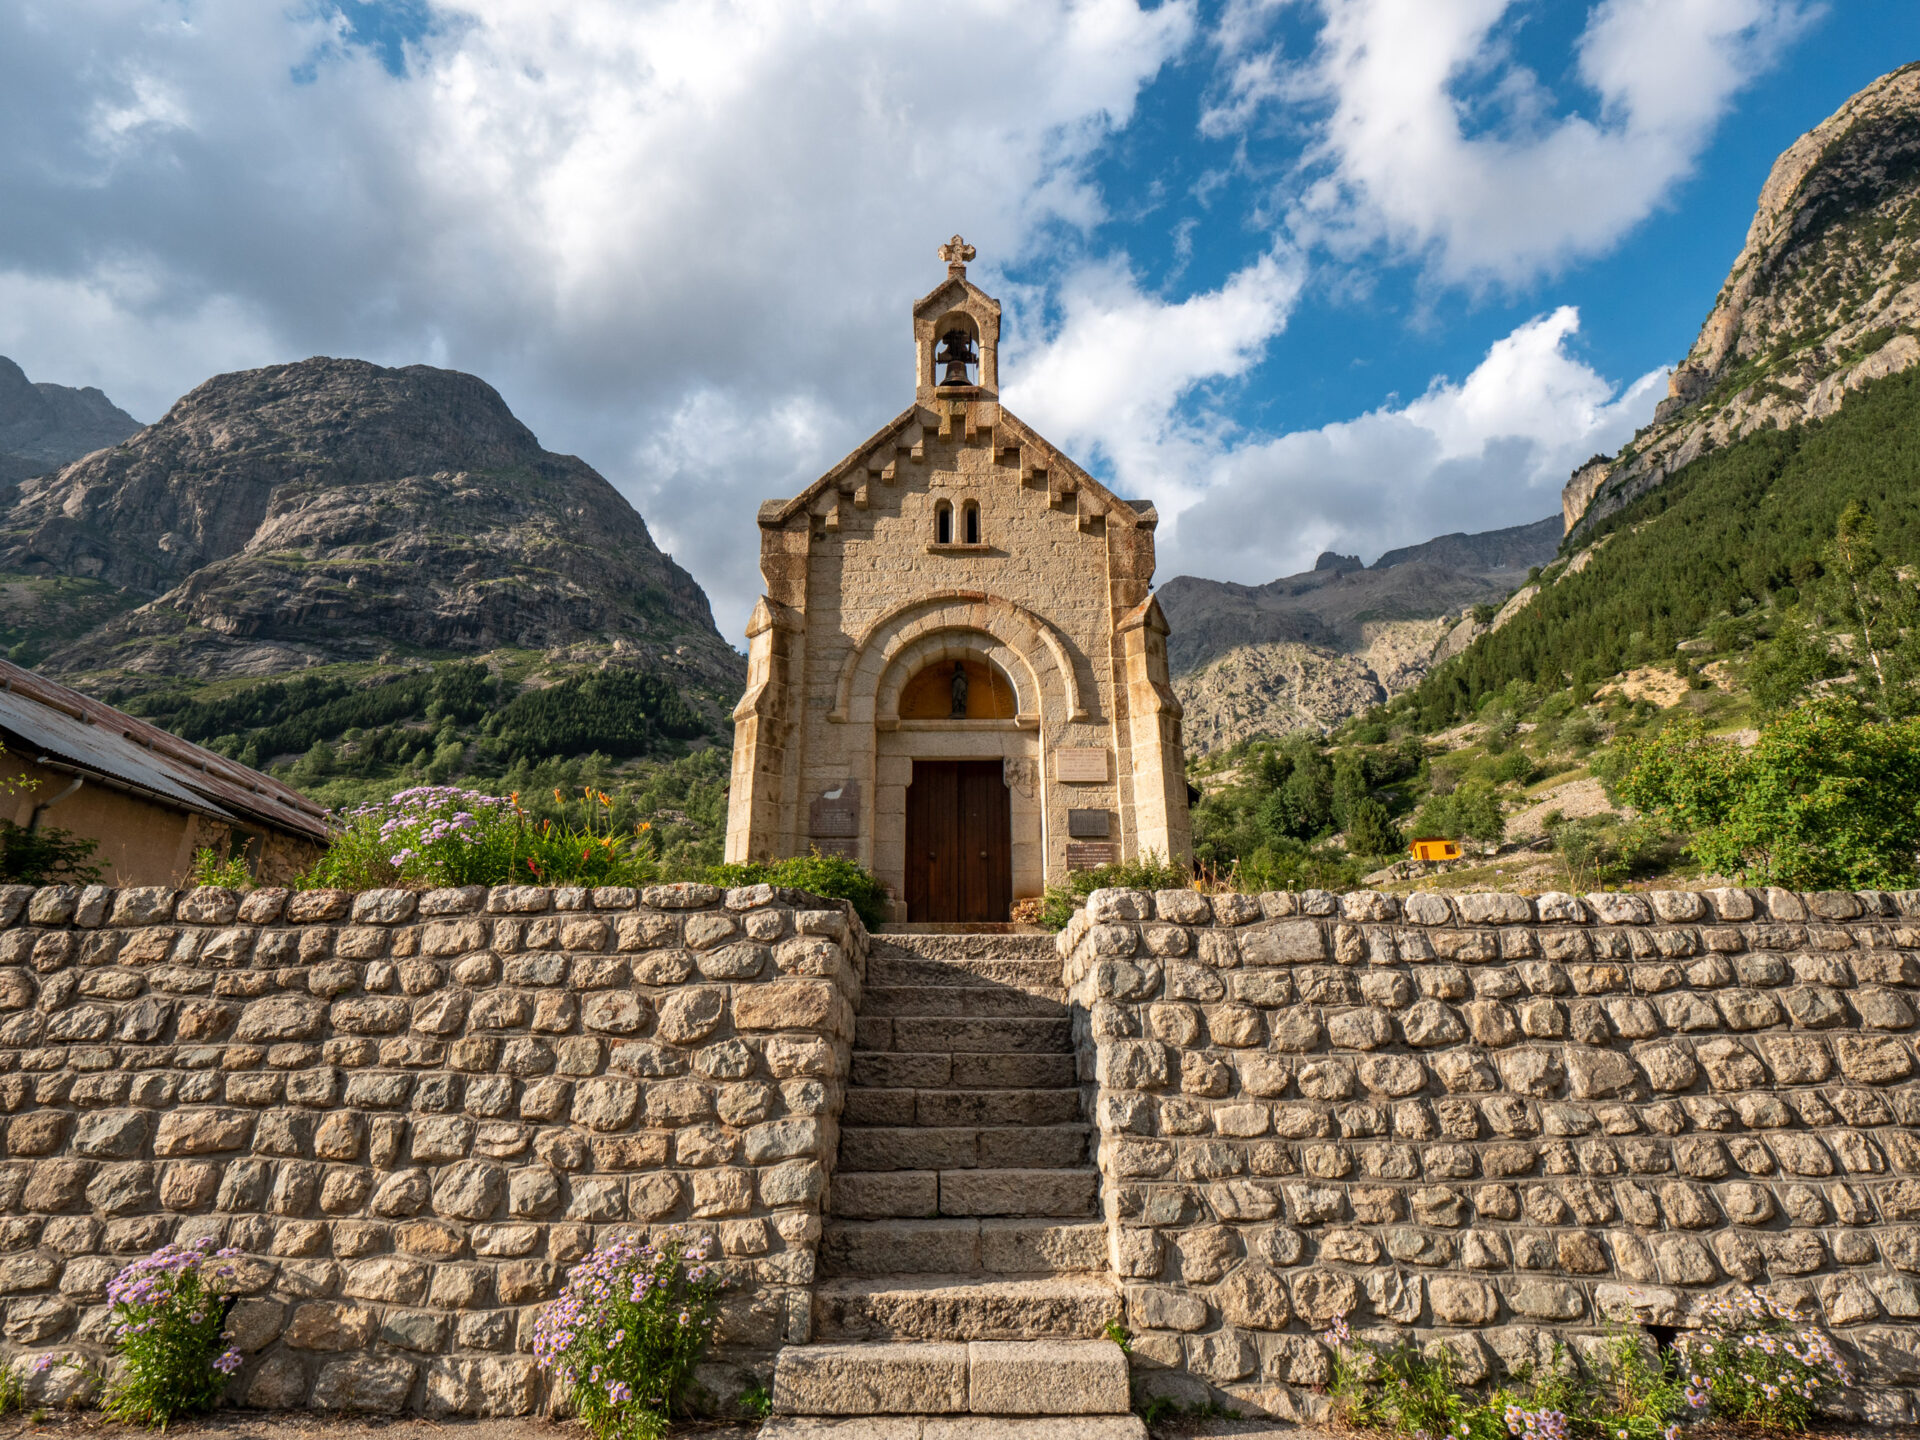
<point>412,1112</point>
<point>1497,1121</point>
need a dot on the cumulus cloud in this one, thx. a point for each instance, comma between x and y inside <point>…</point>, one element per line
<point>1117,381</point>
<point>1439,144</point>
<point>632,218</point>
<point>1500,443</point>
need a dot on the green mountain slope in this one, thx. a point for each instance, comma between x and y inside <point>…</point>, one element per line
<point>1725,540</point>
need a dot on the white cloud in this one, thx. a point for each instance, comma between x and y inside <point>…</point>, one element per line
<point>627,216</point>
<point>1114,381</point>
<point>1493,449</point>
<point>1438,143</point>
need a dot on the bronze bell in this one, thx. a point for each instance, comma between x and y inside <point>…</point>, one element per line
<point>956,353</point>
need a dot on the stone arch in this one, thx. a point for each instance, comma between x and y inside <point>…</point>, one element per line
<point>1038,648</point>
<point>956,644</point>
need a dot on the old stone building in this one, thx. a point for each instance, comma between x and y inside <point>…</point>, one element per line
<point>958,674</point>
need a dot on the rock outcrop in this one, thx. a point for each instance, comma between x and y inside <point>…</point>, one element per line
<point>1824,297</point>
<point>1307,651</point>
<point>334,510</point>
<point>43,426</point>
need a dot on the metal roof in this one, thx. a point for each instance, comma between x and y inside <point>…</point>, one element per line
<point>47,721</point>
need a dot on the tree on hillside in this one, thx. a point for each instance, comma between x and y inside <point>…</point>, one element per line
<point>1865,594</point>
<point>1827,799</point>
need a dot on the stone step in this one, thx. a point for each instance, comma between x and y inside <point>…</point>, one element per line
<point>964,1307</point>
<point>960,1107</point>
<point>954,1000</point>
<point>1044,975</point>
<point>968,1070</point>
<point>924,1194</point>
<point>952,1427</point>
<point>1028,1378</point>
<point>930,1147</point>
<point>962,1246</point>
<point>947,1034</point>
<point>893,945</point>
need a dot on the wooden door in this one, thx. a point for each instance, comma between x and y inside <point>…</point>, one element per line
<point>959,841</point>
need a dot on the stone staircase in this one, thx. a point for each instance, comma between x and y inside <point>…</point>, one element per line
<point>964,1262</point>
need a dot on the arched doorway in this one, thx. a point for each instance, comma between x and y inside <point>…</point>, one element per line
<point>958,839</point>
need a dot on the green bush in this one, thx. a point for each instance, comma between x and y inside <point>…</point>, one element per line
<point>169,1314</point>
<point>209,869</point>
<point>1471,810</point>
<point>435,835</point>
<point>1603,850</point>
<point>1149,872</point>
<point>1826,799</point>
<point>625,1335</point>
<point>1294,865</point>
<point>47,856</point>
<point>833,877</point>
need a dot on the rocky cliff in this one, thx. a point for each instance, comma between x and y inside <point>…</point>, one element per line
<point>43,425</point>
<point>335,510</point>
<point>1307,651</point>
<point>1824,296</point>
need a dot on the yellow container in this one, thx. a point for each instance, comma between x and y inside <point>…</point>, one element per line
<point>1435,849</point>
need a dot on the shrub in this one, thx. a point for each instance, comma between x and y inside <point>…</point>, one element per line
<point>1824,800</point>
<point>1470,810</point>
<point>626,1333</point>
<point>1757,1362</point>
<point>1291,865</point>
<point>169,1312</point>
<point>437,835</point>
<point>1149,872</point>
<point>833,877</point>
<point>209,869</point>
<point>45,857</point>
<point>1750,1365</point>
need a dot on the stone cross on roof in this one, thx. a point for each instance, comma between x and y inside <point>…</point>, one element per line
<point>956,252</point>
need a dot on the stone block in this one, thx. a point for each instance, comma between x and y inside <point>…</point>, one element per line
<point>1046,1377</point>
<point>898,1379</point>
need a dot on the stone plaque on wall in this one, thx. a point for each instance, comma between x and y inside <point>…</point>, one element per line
<point>835,814</point>
<point>1077,765</point>
<point>1089,824</point>
<point>1091,854</point>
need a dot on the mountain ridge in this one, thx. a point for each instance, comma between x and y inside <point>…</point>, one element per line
<point>1823,298</point>
<point>335,511</point>
<point>44,425</point>
<point>1307,651</point>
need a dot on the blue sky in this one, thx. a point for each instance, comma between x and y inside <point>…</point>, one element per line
<point>1342,274</point>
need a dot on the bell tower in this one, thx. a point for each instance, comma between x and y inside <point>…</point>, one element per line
<point>956,336</point>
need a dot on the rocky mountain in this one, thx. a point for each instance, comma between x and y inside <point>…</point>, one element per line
<point>1307,651</point>
<point>1823,297</point>
<point>43,426</point>
<point>331,511</point>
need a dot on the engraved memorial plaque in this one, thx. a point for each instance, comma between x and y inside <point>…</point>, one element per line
<point>1089,824</point>
<point>1073,766</point>
<point>835,814</point>
<point>1090,855</point>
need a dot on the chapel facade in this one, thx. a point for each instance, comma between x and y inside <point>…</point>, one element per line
<point>958,674</point>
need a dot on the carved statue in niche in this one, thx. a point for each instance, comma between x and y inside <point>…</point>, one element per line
<point>959,710</point>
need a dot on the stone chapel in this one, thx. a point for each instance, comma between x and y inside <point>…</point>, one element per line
<point>958,674</point>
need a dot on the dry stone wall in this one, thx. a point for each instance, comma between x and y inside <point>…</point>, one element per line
<point>412,1111</point>
<point>1499,1122</point>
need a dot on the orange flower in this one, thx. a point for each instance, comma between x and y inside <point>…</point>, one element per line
<point>558,797</point>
